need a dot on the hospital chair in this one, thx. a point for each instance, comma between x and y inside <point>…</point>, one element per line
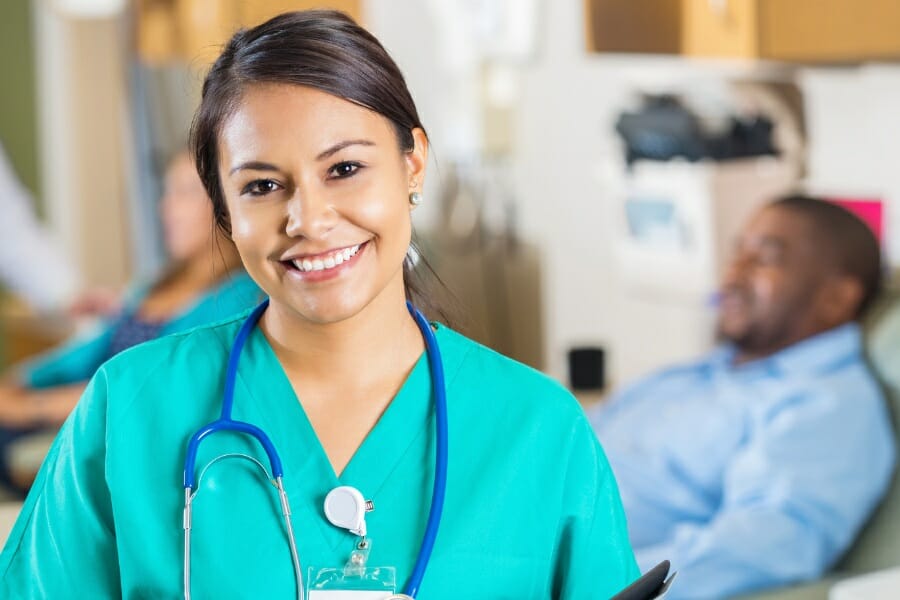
<point>878,546</point>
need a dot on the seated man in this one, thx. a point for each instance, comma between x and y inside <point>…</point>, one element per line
<point>758,464</point>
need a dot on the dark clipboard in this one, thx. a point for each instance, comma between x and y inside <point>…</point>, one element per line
<point>652,585</point>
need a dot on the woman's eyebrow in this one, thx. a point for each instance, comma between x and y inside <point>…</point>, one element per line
<point>254,165</point>
<point>341,145</point>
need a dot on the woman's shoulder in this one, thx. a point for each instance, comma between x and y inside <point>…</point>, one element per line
<point>233,294</point>
<point>193,349</point>
<point>238,281</point>
<point>176,375</point>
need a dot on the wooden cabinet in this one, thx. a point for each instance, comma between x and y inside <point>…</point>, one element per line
<point>788,30</point>
<point>800,30</point>
<point>633,26</point>
<point>194,30</point>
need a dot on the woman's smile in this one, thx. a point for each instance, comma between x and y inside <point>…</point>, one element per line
<point>323,266</point>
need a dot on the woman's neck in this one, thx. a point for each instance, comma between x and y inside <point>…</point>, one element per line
<point>345,374</point>
<point>379,343</point>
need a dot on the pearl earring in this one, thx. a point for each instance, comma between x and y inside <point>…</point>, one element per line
<point>415,198</point>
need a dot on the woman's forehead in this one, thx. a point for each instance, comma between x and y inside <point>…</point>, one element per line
<point>273,116</point>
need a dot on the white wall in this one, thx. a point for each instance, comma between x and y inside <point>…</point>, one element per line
<point>854,135</point>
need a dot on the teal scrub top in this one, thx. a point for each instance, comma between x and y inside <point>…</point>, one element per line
<point>532,509</point>
<point>78,359</point>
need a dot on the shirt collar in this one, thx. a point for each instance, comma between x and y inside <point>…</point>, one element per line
<point>812,355</point>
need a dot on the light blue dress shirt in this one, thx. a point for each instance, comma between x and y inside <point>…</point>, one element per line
<point>751,476</point>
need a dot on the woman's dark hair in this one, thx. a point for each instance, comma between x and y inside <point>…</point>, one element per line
<point>321,49</point>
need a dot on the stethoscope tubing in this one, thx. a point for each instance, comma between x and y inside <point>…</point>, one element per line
<point>441,457</point>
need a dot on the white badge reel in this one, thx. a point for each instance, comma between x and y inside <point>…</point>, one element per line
<point>346,508</point>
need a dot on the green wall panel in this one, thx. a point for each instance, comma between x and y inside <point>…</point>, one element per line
<point>18,108</point>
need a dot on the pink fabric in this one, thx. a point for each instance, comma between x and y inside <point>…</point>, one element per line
<point>869,210</point>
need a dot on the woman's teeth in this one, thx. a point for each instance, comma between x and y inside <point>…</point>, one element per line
<point>328,262</point>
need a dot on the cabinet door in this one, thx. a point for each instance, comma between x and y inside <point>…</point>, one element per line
<point>644,26</point>
<point>722,28</point>
<point>258,11</point>
<point>195,30</point>
<point>829,30</point>
<point>792,30</point>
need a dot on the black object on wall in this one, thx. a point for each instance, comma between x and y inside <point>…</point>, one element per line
<point>587,368</point>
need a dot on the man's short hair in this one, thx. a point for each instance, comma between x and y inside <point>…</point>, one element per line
<point>845,240</point>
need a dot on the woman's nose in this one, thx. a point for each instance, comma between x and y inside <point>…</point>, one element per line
<point>309,214</point>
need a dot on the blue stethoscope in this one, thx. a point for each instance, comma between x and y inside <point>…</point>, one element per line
<point>226,423</point>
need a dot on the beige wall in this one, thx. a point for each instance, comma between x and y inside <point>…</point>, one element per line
<point>81,74</point>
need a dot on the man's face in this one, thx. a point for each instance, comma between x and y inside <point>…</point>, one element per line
<point>768,295</point>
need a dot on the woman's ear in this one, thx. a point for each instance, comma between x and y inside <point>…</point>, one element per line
<point>417,160</point>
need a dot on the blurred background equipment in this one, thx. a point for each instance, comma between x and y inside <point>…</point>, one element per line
<point>470,230</point>
<point>664,129</point>
<point>494,275</point>
<point>688,176</point>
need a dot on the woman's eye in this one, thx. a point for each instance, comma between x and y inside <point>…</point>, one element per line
<point>260,187</point>
<point>342,170</point>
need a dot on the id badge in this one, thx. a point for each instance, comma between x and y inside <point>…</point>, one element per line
<point>354,581</point>
<point>372,583</point>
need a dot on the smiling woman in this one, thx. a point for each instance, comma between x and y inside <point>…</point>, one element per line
<point>484,477</point>
<point>292,197</point>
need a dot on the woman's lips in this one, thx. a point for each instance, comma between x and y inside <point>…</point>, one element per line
<point>328,265</point>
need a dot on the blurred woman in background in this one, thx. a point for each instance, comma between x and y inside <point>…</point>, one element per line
<point>202,283</point>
